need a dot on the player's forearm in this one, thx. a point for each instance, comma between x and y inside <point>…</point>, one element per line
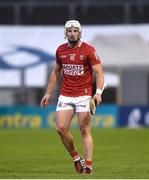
<point>99,80</point>
<point>52,83</point>
<point>99,76</point>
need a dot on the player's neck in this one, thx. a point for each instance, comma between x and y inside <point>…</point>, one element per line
<point>74,45</point>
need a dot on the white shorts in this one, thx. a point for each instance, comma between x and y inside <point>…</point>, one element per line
<point>79,104</point>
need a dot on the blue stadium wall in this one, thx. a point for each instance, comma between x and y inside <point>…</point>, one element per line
<point>107,116</point>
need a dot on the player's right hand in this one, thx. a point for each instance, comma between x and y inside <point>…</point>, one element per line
<point>45,101</point>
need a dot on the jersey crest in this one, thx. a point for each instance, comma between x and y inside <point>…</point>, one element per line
<point>72,57</point>
<point>81,57</point>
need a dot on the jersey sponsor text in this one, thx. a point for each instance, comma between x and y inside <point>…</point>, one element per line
<point>73,69</point>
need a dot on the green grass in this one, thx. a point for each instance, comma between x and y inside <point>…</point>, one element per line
<point>118,153</point>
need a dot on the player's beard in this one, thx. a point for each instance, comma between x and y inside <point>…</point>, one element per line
<point>74,42</point>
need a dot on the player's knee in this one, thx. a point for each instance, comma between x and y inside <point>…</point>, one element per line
<point>61,131</point>
<point>84,131</point>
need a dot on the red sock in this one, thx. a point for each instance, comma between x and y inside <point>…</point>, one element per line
<point>89,164</point>
<point>75,156</point>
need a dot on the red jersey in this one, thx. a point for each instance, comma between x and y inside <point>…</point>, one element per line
<point>77,70</point>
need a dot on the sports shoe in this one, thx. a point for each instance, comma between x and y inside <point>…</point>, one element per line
<point>92,105</point>
<point>79,165</point>
<point>87,171</point>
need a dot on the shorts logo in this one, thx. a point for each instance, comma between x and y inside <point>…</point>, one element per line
<point>72,57</point>
<point>60,104</point>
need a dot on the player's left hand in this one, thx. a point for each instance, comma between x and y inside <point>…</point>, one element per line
<point>97,98</point>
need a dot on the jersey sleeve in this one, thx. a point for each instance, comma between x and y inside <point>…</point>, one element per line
<point>93,57</point>
<point>58,60</point>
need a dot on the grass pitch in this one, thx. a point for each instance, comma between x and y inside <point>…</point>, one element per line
<point>118,153</point>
